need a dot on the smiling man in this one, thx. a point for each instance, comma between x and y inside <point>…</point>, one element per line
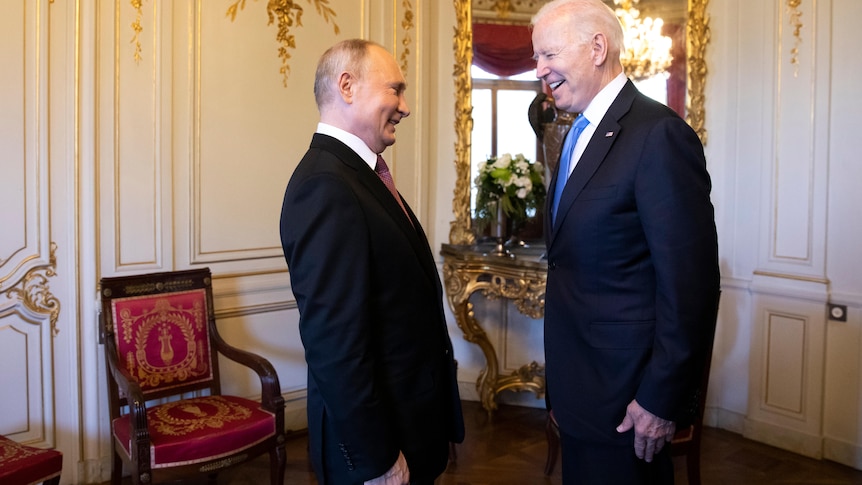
<point>633,280</point>
<point>383,400</point>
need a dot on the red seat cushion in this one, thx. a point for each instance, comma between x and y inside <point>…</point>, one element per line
<point>21,464</point>
<point>200,429</point>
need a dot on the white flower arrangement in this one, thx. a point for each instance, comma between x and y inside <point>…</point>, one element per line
<point>513,182</point>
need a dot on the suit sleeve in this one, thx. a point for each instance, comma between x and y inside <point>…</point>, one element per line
<point>326,241</point>
<point>672,192</point>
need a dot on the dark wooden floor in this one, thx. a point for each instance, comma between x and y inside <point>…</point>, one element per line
<point>510,449</point>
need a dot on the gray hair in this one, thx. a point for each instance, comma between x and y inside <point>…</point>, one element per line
<point>347,55</point>
<point>587,17</point>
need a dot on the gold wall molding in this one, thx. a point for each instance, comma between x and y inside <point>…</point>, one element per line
<point>795,19</point>
<point>795,277</point>
<point>460,231</point>
<point>34,292</point>
<point>406,24</point>
<point>697,36</point>
<point>287,14</point>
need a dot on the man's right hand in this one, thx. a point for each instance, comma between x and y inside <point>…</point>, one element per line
<point>397,475</point>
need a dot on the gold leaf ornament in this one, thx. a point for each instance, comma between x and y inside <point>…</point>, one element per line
<point>795,15</point>
<point>137,28</point>
<point>287,14</point>
<point>407,25</point>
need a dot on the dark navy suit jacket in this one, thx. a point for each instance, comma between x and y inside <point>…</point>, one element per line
<point>633,278</point>
<point>381,375</point>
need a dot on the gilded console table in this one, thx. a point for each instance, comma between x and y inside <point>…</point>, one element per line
<point>520,278</point>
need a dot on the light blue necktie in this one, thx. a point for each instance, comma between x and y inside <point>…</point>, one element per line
<point>566,160</point>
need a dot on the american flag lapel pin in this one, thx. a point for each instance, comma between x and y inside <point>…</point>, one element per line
<point>609,134</point>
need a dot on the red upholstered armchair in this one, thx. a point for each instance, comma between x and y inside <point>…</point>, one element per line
<point>162,346</point>
<point>24,465</point>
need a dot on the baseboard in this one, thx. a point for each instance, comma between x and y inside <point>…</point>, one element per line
<point>724,419</point>
<point>295,414</point>
<point>784,438</point>
<point>842,452</point>
<point>94,471</point>
<point>468,391</point>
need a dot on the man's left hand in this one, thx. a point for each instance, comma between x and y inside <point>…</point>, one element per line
<point>651,431</point>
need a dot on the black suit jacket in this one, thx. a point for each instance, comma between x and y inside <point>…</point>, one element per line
<point>633,277</point>
<point>381,374</point>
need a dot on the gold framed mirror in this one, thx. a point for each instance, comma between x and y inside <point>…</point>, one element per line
<point>696,38</point>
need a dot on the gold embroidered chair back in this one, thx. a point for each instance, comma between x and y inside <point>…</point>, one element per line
<point>162,339</point>
<point>162,346</point>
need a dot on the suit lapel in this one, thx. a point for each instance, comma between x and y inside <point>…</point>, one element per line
<point>603,138</point>
<point>372,183</point>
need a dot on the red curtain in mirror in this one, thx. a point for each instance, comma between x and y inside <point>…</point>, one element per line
<point>504,50</point>
<point>676,81</point>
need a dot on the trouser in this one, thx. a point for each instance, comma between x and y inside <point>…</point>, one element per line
<point>588,463</point>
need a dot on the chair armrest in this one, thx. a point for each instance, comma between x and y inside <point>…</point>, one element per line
<point>271,397</point>
<point>129,387</point>
<point>140,431</point>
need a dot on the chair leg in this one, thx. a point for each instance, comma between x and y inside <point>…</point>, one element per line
<point>692,464</point>
<point>116,469</point>
<point>277,465</point>
<point>553,436</point>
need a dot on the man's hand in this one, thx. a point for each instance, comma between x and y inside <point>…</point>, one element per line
<point>651,431</point>
<point>397,475</point>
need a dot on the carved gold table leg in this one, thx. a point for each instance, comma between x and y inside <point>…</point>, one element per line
<point>461,283</point>
<point>486,384</point>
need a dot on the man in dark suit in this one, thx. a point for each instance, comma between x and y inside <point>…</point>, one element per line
<point>383,401</point>
<point>633,279</point>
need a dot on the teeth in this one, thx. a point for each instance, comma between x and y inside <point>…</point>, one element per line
<point>555,85</point>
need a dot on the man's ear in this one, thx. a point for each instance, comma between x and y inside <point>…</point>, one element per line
<point>599,49</point>
<point>346,86</point>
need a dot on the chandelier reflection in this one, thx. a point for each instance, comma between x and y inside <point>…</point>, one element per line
<point>647,51</point>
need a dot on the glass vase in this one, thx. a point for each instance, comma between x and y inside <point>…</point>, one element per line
<point>500,232</point>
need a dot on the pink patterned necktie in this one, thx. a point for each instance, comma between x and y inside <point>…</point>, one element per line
<point>382,171</point>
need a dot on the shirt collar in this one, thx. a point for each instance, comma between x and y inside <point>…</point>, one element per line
<point>600,104</point>
<point>352,141</point>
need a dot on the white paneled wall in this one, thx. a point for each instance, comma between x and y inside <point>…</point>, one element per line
<point>786,174</point>
<point>38,281</point>
<point>112,165</point>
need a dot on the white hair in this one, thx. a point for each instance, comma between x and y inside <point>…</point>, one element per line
<point>586,17</point>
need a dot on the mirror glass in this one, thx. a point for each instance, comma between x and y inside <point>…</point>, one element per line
<point>494,93</point>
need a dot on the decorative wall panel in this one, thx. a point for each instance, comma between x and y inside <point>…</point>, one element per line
<point>796,224</point>
<point>787,362</point>
<point>134,167</point>
<point>246,134</point>
<point>785,355</point>
<point>24,241</point>
<point>28,309</point>
<point>26,344</point>
<point>199,130</point>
